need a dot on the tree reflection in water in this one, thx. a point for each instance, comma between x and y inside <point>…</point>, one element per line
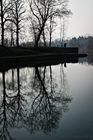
<point>31,98</point>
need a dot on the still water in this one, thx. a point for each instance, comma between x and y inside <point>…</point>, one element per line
<point>52,102</point>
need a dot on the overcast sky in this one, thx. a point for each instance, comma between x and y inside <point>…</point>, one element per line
<point>81,22</point>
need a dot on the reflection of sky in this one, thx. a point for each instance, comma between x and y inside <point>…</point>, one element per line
<point>79,119</point>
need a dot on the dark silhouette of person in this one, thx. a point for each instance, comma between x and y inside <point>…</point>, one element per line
<point>65,45</point>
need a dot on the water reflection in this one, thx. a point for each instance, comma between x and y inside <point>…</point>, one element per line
<point>86,60</point>
<point>31,98</point>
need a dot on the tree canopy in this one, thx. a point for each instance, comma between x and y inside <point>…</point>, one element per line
<point>37,13</point>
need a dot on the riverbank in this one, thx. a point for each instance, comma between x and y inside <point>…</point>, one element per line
<point>23,51</point>
<point>21,57</point>
<point>22,54</point>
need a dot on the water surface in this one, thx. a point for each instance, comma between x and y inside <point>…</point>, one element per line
<point>52,102</point>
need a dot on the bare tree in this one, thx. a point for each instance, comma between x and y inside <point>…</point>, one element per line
<point>17,12</point>
<point>41,11</point>
<point>4,15</point>
<point>52,25</point>
<point>62,30</point>
<point>12,35</point>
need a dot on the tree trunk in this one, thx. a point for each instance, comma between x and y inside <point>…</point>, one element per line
<point>17,36</point>
<point>2,25</point>
<point>44,39</point>
<point>41,30</point>
<point>50,31</point>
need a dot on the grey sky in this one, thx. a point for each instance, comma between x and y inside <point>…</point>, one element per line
<point>81,22</point>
